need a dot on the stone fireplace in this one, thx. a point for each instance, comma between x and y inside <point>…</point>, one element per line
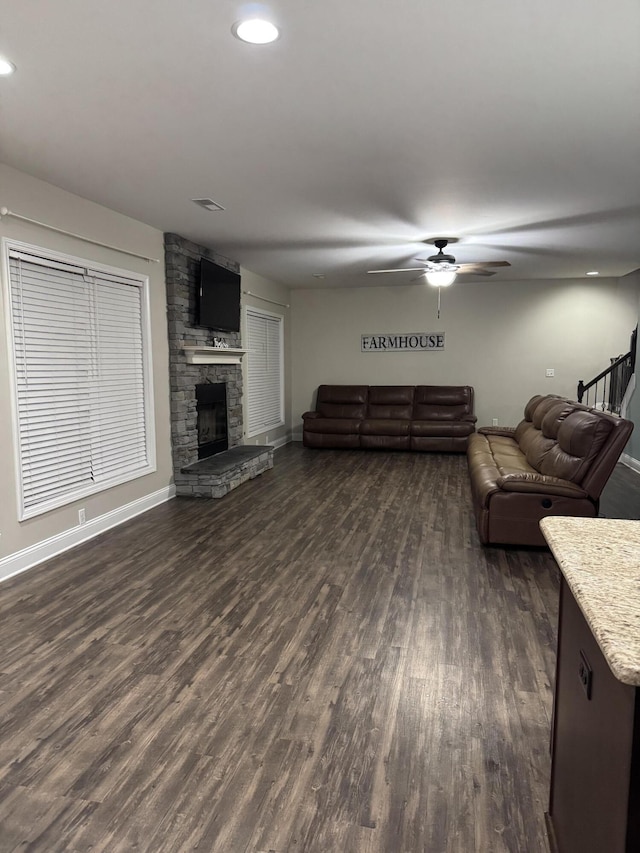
<point>182,260</point>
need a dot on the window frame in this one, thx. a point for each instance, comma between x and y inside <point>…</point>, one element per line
<point>279,319</point>
<point>135,278</point>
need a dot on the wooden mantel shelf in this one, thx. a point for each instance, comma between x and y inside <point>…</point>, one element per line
<point>213,355</point>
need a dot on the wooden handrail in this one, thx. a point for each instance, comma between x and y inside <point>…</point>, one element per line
<point>628,359</point>
<point>581,385</point>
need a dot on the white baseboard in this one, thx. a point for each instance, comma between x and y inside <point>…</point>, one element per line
<point>280,442</point>
<point>630,462</point>
<point>35,554</point>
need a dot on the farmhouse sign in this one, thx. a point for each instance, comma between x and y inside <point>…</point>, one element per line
<point>410,342</point>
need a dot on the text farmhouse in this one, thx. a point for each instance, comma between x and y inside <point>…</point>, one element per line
<point>410,342</point>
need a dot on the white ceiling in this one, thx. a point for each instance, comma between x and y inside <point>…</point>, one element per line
<point>368,127</point>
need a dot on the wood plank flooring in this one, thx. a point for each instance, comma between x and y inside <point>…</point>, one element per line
<point>621,496</point>
<point>325,661</point>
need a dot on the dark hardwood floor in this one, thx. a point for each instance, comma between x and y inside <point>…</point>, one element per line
<point>325,661</point>
<point>621,496</point>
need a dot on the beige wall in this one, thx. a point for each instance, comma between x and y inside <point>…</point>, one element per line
<point>276,293</point>
<point>37,200</point>
<point>499,337</point>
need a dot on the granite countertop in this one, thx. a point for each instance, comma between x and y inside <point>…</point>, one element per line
<point>600,560</point>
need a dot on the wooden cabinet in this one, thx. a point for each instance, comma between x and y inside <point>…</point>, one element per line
<point>594,804</point>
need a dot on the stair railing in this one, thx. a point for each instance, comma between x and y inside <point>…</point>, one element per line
<point>609,386</point>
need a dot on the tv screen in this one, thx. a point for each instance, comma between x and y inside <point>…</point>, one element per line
<point>218,298</point>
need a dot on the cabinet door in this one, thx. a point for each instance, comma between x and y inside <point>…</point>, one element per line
<point>592,743</point>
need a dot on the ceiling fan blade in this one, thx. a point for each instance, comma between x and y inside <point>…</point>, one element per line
<point>406,269</point>
<point>479,271</point>
<point>487,264</point>
<point>418,277</point>
<point>470,264</point>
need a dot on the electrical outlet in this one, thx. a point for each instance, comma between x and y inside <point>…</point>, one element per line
<point>495,422</point>
<point>82,517</point>
<point>550,372</point>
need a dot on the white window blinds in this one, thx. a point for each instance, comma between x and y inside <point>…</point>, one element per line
<point>265,379</point>
<point>81,387</point>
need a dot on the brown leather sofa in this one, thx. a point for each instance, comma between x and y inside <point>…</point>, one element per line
<point>391,417</point>
<point>555,462</point>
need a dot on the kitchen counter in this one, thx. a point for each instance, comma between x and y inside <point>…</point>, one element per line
<point>600,560</point>
<point>594,797</point>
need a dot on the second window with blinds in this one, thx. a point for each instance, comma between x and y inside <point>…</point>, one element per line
<point>265,373</point>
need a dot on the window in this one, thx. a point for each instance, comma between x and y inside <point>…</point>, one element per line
<point>82,392</point>
<point>265,374</point>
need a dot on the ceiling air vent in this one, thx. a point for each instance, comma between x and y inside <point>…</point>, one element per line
<point>208,203</point>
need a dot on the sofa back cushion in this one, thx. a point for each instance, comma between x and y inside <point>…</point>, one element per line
<point>538,437</point>
<point>562,438</point>
<point>530,408</point>
<point>581,437</point>
<point>529,426</point>
<point>555,416</point>
<point>442,402</point>
<point>342,401</point>
<point>390,401</point>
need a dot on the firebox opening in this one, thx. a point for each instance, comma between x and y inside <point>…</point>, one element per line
<point>211,407</point>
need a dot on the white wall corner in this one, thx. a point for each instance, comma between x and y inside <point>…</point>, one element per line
<point>628,394</point>
<point>34,555</point>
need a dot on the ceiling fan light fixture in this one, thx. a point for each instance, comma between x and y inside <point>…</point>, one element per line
<point>440,278</point>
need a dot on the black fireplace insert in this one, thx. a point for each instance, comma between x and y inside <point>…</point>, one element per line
<point>211,406</point>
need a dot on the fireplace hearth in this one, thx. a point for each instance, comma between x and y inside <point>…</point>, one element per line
<point>211,408</point>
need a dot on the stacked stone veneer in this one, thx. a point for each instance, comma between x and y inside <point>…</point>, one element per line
<point>182,260</point>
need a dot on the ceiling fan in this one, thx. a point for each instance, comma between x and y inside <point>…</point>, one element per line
<point>441,269</point>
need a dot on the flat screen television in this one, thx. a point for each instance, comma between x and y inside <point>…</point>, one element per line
<point>218,298</point>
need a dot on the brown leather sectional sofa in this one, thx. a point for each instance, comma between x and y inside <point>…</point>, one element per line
<point>391,417</point>
<point>555,462</point>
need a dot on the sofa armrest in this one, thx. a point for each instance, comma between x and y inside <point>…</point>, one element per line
<point>540,483</point>
<point>308,416</point>
<point>471,419</point>
<point>508,432</point>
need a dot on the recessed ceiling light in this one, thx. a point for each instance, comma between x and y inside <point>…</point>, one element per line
<point>6,67</point>
<point>593,272</point>
<point>255,31</point>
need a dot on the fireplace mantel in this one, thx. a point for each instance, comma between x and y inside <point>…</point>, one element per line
<point>213,355</point>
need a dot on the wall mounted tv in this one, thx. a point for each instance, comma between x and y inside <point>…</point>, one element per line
<point>218,298</point>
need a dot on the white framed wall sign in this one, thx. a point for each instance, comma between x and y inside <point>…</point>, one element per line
<point>403,342</point>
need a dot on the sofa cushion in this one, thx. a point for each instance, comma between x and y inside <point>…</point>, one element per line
<point>542,408</point>
<point>390,401</point>
<point>555,417</point>
<point>581,436</point>
<point>443,403</point>
<point>434,428</point>
<point>531,406</point>
<point>384,426</point>
<point>333,426</point>
<point>342,401</point>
